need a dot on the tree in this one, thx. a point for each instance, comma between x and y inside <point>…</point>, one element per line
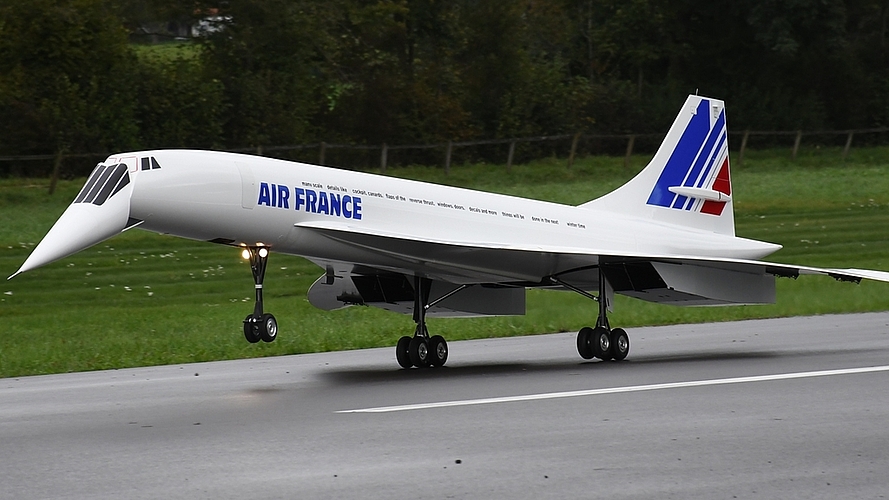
<point>276,60</point>
<point>65,79</point>
<point>177,104</point>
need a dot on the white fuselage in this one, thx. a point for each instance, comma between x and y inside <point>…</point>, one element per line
<point>243,199</point>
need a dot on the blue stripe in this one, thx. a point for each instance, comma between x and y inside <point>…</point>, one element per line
<point>681,159</point>
<point>705,152</point>
<point>680,201</point>
<point>713,158</point>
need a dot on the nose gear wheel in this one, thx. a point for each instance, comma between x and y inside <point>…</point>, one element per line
<point>259,325</point>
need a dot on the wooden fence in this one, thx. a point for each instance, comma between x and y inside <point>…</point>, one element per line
<point>447,149</point>
<point>630,139</point>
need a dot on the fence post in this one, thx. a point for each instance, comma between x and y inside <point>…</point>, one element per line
<point>448,157</point>
<point>383,154</point>
<point>848,144</point>
<point>510,156</point>
<point>56,167</point>
<point>259,150</point>
<point>630,144</point>
<point>322,152</point>
<point>799,136</point>
<point>573,149</point>
<point>743,147</point>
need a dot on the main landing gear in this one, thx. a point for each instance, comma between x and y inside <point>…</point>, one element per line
<point>421,350</point>
<point>600,342</point>
<point>259,326</point>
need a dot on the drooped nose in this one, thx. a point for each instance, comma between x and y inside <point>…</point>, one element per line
<point>100,211</point>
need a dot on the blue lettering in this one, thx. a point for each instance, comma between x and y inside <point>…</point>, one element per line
<point>283,197</point>
<point>356,214</point>
<point>347,212</point>
<point>264,195</point>
<point>311,200</point>
<point>323,207</point>
<point>334,204</point>
<point>299,198</point>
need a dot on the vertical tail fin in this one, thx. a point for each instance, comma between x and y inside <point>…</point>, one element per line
<point>688,181</point>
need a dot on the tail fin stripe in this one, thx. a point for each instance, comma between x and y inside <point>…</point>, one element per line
<point>723,184</point>
<point>710,151</point>
<point>714,156</point>
<point>683,155</point>
<point>705,152</point>
<point>706,178</point>
<point>680,201</point>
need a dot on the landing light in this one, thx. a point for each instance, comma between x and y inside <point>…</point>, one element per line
<point>262,252</point>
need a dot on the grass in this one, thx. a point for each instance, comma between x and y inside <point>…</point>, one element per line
<point>144,299</point>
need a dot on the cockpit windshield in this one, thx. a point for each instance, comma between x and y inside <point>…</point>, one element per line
<point>103,183</point>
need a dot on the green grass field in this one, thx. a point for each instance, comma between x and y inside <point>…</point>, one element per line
<point>144,299</point>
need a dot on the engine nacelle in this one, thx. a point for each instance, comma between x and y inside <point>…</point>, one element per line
<point>394,292</point>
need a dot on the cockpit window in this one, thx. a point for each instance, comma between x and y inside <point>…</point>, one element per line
<point>103,183</point>
<point>90,181</point>
<point>149,163</point>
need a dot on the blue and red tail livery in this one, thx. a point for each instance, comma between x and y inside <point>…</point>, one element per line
<point>699,160</point>
<point>688,181</point>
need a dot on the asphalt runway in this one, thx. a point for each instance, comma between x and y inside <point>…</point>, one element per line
<point>788,408</point>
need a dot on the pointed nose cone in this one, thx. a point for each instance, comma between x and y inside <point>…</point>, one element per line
<point>85,222</point>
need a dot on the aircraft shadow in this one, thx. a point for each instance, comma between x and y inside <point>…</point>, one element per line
<point>360,376</point>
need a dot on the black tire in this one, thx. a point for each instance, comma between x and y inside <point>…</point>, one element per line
<point>268,328</point>
<point>402,352</point>
<point>584,342</point>
<point>419,351</point>
<point>620,344</point>
<point>438,351</point>
<point>251,330</point>
<point>601,343</point>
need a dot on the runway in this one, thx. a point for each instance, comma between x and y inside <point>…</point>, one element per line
<point>786,408</point>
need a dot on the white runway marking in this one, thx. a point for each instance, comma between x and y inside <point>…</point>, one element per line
<point>619,390</point>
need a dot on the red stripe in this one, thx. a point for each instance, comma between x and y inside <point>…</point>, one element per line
<point>723,184</point>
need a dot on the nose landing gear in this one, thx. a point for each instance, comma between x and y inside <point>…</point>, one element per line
<point>259,326</point>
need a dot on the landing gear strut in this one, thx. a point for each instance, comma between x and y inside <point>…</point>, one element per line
<point>600,342</point>
<point>421,350</point>
<point>259,326</point>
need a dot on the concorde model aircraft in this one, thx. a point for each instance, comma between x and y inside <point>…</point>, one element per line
<point>666,236</point>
